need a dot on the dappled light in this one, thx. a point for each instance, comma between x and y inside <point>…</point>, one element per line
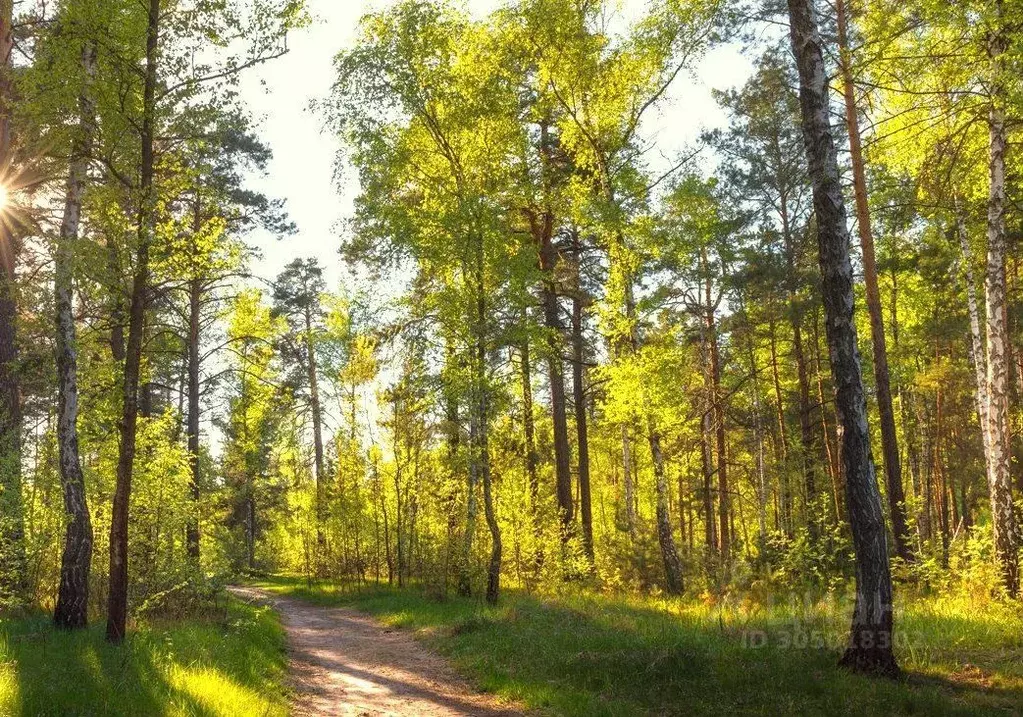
<point>484,357</point>
<point>211,668</point>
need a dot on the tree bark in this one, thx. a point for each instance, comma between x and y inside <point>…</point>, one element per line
<point>760,483</point>
<point>490,514</point>
<point>116,302</point>
<point>625,345</point>
<point>628,481</point>
<point>192,427</point>
<point>784,488</point>
<point>941,477</point>
<point>480,430</point>
<point>724,510</point>
<point>117,611</point>
<point>314,407</point>
<point>889,440</point>
<point>830,455</point>
<point>529,430</point>
<point>870,642</point>
<point>976,338</point>
<point>579,398</point>
<point>707,455</point>
<point>999,481</point>
<point>806,439</point>
<point>72,610</point>
<point>542,230</point>
<point>673,584</point>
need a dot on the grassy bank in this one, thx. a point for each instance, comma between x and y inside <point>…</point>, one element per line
<point>231,662</point>
<point>593,655</point>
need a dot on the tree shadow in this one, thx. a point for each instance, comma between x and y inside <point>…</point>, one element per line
<point>78,673</point>
<point>594,657</point>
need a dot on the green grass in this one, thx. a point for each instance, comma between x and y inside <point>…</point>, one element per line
<point>594,655</point>
<point>229,663</point>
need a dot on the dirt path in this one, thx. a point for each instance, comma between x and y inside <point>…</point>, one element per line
<point>344,663</point>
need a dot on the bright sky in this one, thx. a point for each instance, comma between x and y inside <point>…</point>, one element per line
<point>302,169</point>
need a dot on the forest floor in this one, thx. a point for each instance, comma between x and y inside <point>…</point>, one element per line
<point>584,654</point>
<point>228,661</point>
<point>344,662</point>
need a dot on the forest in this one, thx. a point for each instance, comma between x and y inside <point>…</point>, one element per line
<point>574,413</point>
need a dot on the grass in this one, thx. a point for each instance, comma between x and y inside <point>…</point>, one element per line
<point>595,655</point>
<point>228,663</point>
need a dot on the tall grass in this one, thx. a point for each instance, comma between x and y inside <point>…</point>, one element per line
<point>583,654</point>
<point>231,662</point>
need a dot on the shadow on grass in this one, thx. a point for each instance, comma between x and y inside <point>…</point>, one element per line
<point>599,656</point>
<point>227,666</point>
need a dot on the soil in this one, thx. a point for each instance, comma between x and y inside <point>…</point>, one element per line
<point>342,662</point>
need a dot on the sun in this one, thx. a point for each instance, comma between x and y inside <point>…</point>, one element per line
<point>3,197</point>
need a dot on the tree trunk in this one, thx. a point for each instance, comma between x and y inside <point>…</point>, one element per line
<point>724,533</point>
<point>117,611</point>
<point>673,584</point>
<point>72,610</point>
<point>940,478</point>
<point>830,457</point>
<point>806,438</point>
<point>13,566</point>
<point>999,484</point>
<point>399,527</point>
<point>760,484</point>
<point>707,455</point>
<point>805,419</point>
<point>889,441</point>
<point>552,321</point>
<point>192,427</point>
<point>870,643</point>
<point>381,499</point>
<point>579,398</point>
<point>625,345</point>
<point>480,429</point>
<point>116,302</point>
<point>314,407</point>
<point>471,510</point>
<point>628,482</point>
<point>529,430</point>
<point>784,489</point>
<point>250,528</point>
<point>483,437</point>
<point>976,338</point>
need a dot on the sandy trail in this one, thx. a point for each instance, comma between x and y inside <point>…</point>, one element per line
<point>344,663</point>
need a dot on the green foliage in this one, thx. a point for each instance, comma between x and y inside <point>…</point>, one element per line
<point>514,238</point>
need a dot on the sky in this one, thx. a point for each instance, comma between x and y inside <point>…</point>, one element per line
<point>303,166</point>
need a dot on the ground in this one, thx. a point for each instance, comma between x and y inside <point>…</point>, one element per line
<point>371,650</point>
<point>343,662</point>
<point>228,661</point>
<point>587,655</point>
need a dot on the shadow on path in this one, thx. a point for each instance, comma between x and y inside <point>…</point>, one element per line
<point>344,663</point>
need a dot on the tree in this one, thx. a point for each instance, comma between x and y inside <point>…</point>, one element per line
<point>216,208</point>
<point>999,482</point>
<point>766,175</point>
<point>297,293</point>
<point>870,646</point>
<point>250,425</point>
<point>889,441</point>
<point>163,84</point>
<point>72,609</point>
<point>117,609</point>
<point>12,521</point>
